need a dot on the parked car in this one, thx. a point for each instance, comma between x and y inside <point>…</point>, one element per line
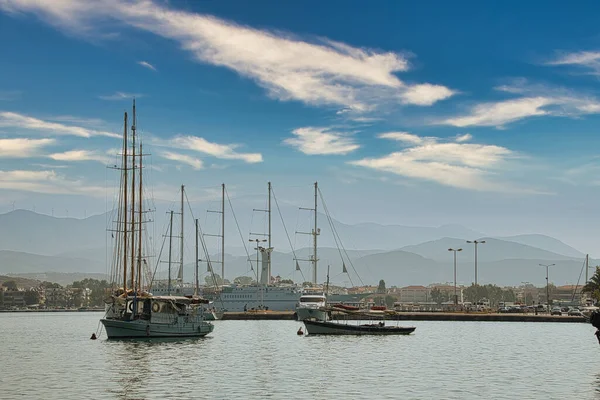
<point>556,311</point>
<point>575,313</point>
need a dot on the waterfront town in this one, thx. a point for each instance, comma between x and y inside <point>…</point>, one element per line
<point>26,294</point>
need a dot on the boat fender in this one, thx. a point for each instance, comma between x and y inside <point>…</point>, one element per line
<point>155,307</point>
<point>300,332</point>
<point>93,337</point>
<point>147,330</point>
<point>130,306</point>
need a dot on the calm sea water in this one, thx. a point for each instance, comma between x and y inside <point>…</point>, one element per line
<point>50,356</point>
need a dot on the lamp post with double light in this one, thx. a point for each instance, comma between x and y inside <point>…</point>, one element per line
<point>476,242</point>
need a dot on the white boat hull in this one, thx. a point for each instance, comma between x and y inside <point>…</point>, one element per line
<point>303,313</point>
<point>118,329</point>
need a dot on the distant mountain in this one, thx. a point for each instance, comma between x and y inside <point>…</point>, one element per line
<point>29,232</point>
<point>35,245</point>
<point>492,250</point>
<point>545,243</point>
<point>15,262</point>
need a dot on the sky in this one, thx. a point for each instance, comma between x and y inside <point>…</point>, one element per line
<point>412,113</point>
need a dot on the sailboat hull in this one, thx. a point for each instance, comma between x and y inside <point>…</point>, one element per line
<point>118,329</point>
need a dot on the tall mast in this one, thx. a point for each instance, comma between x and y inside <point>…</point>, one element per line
<point>196,272</point>
<point>223,233</point>
<point>125,164</point>
<point>170,252</point>
<point>587,266</point>
<point>133,200</point>
<point>180,275</point>
<point>269,234</point>
<point>139,261</point>
<point>315,234</point>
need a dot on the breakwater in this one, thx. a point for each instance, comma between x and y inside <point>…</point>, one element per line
<point>413,316</point>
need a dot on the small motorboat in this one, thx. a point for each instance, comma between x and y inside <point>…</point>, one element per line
<point>336,328</point>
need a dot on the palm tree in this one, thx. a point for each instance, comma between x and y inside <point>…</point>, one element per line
<point>593,285</point>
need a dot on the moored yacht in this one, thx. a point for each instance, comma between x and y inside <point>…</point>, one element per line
<point>131,310</point>
<point>312,305</point>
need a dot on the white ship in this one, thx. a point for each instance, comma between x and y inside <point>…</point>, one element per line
<point>132,311</point>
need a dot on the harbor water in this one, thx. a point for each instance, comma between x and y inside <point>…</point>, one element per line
<point>51,356</point>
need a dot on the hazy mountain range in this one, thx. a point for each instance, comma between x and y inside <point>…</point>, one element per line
<point>37,245</point>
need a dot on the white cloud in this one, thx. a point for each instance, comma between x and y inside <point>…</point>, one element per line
<point>318,72</point>
<point>201,145</point>
<point>46,181</point>
<point>121,96</point>
<point>14,120</point>
<point>311,140</point>
<point>182,158</point>
<point>503,112</point>
<point>462,165</point>
<point>584,59</point>
<point>403,137</point>
<point>81,155</point>
<point>146,64</point>
<point>22,148</point>
<point>536,100</point>
<point>463,138</point>
<point>426,94</point>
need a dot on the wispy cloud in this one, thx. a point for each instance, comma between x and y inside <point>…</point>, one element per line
<point>201,145</point>
<point>46,181</point>
<point>536,101</point>
<point>146,64</point>
<point>183,158</point>
<point>20,121</point>
<point>313,141</point>
<point>317,72</point>
<point>406,137</point>
<point>121,96</point>
<point>589,60</point>
<point>23,148</point>
<point>463,138</point>
<point>461,165</point>
<point>9,95</point>
<point>81,155</point>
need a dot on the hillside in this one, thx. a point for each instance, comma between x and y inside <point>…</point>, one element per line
<point>492,250</point>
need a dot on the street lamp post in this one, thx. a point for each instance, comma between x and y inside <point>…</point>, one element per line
<point>455,295</point>
<point>476,242</point>
<point>547,285</point>
<point>525,291</point>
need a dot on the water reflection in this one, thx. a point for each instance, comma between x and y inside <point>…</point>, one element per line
<point>134,365</point>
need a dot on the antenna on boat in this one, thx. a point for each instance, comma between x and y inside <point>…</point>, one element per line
<point>327,284</point>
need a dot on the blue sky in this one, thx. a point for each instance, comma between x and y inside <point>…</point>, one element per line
<point>414,113</point>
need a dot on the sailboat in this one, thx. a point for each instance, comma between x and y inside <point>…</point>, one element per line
<point>263,295</point>
<point>312,304</point>
<point>131,310</point>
